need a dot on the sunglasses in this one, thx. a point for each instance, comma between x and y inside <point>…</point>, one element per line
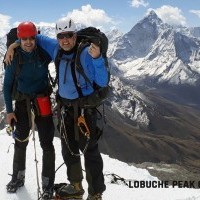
<point>65,35</point>
<point>28,38</point>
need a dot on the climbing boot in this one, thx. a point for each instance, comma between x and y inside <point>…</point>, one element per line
<point>14,184</point>
<point>73,190</point>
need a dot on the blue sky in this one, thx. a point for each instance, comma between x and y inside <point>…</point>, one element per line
<point>123,14</point>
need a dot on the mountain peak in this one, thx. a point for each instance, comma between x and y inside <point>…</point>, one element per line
<point>152,13</point>
<point>139,40</point>
<point>153,17</point>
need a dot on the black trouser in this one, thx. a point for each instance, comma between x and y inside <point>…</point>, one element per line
<point>45,129</point>
<point>93,159</point>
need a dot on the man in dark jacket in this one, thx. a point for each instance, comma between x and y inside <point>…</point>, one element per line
<point>73,89</point>
<point>27,79</point>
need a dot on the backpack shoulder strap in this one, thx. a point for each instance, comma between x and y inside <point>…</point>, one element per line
<point>57,63</point>
<point>73,72</point>
<point>43,56</point>
<point>82,45</point>
<point>19,62</point>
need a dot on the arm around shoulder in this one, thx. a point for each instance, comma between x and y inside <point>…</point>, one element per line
<point>10,53</point>
<point>47,43</point>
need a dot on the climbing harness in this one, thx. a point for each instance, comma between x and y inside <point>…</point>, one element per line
<point>81,122</point>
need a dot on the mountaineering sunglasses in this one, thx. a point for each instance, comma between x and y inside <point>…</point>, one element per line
<point>65,35</point>
<point>28,38</point>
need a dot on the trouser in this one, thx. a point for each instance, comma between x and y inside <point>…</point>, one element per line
<point>93,159</point>
<point>45,129</point>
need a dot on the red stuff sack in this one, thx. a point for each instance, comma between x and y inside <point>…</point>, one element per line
<point>44,105</point>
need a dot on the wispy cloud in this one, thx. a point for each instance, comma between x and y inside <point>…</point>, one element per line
<point>196,12</point>
<point>170,15</point>
<point>138,3</point>
<point>5,24</point>
<point>91,17</point>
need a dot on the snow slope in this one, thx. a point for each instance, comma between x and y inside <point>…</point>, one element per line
<point>114,191</point>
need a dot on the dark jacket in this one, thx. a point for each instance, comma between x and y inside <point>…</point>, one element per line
<point>32,78</point>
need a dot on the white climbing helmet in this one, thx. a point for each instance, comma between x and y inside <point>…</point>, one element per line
<point>65,26</point>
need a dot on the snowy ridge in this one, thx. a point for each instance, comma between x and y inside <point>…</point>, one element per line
<point>165,61</point>
<point>156,50</point>
<point>129,102</point>
<point>2,47</point>
<point>113,36</point>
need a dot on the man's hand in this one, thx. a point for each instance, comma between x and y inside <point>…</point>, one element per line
<point>10,117</point>
<point>94,50</point>
<point>10,53</point>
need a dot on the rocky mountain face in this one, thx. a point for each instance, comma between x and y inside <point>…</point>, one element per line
<point>155,96</point>
<point>156,50</point>
<point>138,41</point>
<point>155,57</point>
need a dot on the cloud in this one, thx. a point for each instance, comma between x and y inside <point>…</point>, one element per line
<point>89,16</point>
<point>45,24</point>
<point>170,15</point>
<point>138,3</point>
<point>196,12</point>
<point>5,24</point>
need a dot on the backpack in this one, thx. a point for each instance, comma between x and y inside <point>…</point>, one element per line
<point>40,53</point>
<point>11,36</point>
<point>85,37</point>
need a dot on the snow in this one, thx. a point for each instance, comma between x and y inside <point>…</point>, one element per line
<point>111,166</point>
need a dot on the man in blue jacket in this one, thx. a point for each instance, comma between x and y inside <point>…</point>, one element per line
<point>27,79</point>
<point>72,89</point>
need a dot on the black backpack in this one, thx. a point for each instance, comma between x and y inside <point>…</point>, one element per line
<point>11,36</point>
<point>85,37</point>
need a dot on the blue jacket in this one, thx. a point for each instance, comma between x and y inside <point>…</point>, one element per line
<point>94,69</point>
<point>32,78</point>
